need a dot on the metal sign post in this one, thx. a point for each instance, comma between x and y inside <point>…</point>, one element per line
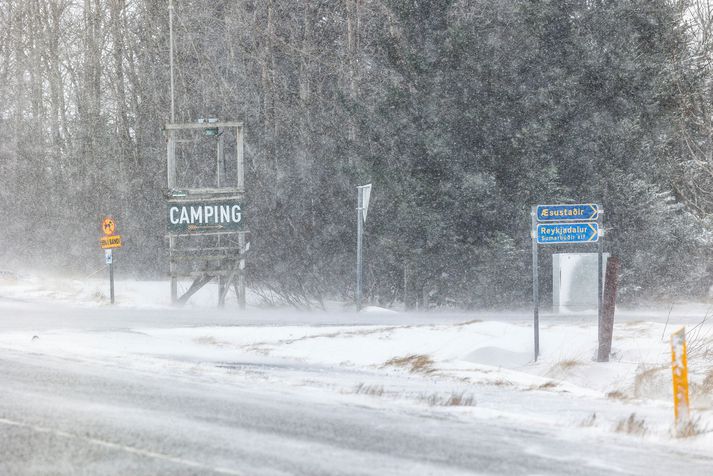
<point>535,285</point>
<point>564,224</point>
<point>108,242</point>
<point>110,261</point>
<point>363,194</point>
<point>600,293</point>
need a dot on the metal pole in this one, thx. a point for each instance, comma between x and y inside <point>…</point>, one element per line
<point>600,277</point>
<point>111,281</point>
<point>535,283</point>
<point>170,30</point>
<point>219,159</point>
<point>360,206</point>
<point>172,270</point>
<point>170,176</point>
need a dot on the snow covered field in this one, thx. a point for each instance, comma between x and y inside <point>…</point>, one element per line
<point>464,366</point>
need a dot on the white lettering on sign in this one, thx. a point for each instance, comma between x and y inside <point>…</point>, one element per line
<point>204,214</point>
<point>196,215</point>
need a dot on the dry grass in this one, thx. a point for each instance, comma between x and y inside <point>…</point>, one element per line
<point>707,385</point>
<point>467,323</point>
<point>631,426</point>
<point>338,334</point>
<point>562,367</point>
<point>261,349</point>
<point>209,340</point>
<point>99,296</point>
<point>373,390</point>
<point>8,277</point>
<point>568,364</point>
<point>460,400</point>
<point>616,395</point>
<point>645,379</point>
<point>690,428</point>
<point>589,421</point>
<point>415,363</point>
<point>547,385</point>
<point>455,399</point>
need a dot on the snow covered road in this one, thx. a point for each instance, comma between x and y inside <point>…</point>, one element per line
<point>98,390</point>
<point>63,417</point>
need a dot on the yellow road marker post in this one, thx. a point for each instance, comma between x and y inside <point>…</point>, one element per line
<point>679,370</point>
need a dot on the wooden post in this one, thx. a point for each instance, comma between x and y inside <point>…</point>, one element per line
<point>171,160</point>
<point>240,282</point>
<point>199,282</point>
<point>221,290</point>
<point>239,158</point>
<point>606,327</point>
<point>219,159</point>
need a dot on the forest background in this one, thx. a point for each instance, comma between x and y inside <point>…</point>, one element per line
<point>462,113</point>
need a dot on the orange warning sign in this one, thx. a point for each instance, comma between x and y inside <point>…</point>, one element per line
<point>107,242</point>
<point>108,226</point>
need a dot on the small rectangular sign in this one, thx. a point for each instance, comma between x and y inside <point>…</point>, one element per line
<point>559,233</point>
<point>204,216</point>
<point>113,241</point>
<point>578,212</point>
<point>108,257</point>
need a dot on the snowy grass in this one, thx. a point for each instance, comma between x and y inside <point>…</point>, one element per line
<point>691,428</point>
<point>413,363</point>
<point>632,426</point>
<point>455,399</point>
<point>373,390</point>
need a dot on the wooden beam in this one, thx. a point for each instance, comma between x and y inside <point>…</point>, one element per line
<point>199,282</point>
<point>204,125</point>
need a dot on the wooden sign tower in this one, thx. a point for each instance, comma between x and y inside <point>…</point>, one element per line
<point>207,238</point>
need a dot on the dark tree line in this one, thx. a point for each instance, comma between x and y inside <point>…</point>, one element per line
<point>462,113</point>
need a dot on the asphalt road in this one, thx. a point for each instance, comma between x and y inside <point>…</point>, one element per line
<point>59,416</point>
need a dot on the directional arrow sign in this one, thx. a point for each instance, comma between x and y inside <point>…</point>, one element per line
<point>555,233</point>
<point>205,227</point>
<point>579,212</point>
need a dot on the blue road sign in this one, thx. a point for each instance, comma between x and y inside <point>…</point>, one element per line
<point>556,233</point>
<point>578,212</point>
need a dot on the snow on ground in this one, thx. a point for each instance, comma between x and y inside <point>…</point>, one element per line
<point>475,365</point>
<point>94,291</point>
